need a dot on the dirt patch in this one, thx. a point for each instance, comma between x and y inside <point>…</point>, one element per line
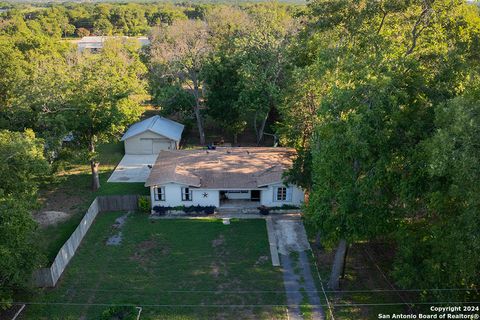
<point>116,239</point>
<point>219,241</point>
<point>218,267</point>
<point>147,245</point>
<point>120,221</point>
<point>62,199</point>
<point>261,260</point>
<point>48,218</point>
<point>214,269</point>
<point>148,248</point>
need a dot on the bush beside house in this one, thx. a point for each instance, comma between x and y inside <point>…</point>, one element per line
<point>184,210</point>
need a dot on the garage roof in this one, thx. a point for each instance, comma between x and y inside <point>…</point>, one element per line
<point>156,124</point>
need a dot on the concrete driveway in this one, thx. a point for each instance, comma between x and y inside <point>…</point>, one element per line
<point>298,279</point>
<point>133,168</point>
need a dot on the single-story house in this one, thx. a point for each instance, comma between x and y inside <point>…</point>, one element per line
<point>225,177</point>
<point>95,43</point>
<point>152,135</point>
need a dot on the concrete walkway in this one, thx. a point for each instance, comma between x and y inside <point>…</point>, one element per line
<point>272,240</point>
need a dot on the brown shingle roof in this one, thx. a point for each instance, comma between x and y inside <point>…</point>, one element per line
<point>224,168</point>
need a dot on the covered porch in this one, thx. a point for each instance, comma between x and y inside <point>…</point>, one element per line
<point>240,199</point>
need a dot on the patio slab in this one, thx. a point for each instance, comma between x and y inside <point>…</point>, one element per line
<point>133,168</point>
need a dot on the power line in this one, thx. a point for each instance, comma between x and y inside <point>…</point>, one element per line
<point>234,305</point>
<point>321,285</point>
<point>262,291</point>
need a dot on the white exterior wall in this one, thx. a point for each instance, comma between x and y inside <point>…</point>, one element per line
<point>148,143</point>
<point>267,197</point>
<point>173,197</point>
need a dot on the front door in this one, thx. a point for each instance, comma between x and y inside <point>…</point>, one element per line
<point>255,195</point>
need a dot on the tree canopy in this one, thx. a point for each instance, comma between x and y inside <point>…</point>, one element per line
<point>375,76</point>
<point>22,164</point>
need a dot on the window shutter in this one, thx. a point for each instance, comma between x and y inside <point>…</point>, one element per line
<point>289,193</point>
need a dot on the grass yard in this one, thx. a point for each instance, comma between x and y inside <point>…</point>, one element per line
<point>199,263</point>
<point>367,288</point>
<point>70,192</point>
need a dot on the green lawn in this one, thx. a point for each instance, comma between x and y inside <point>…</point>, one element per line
<point>169,262</point>
<point>71,191</point>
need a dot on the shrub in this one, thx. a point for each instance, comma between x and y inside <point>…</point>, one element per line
<point>119,313</point>
<point>264,210</point>
<point>190,210</point>
<point>289,206</point>
<point>285,207</point>
<point>82,32</point>
<point>160,210</point>
<point>144,204</point>
<point>210,210</point>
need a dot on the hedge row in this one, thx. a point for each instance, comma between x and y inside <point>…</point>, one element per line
<point>190,210</point>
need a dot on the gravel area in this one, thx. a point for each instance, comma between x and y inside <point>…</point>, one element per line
<point>116,239</point>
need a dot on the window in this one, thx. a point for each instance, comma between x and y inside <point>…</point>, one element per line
<point>283,194</point>
<point>159,193</point>
<point>186,194</point>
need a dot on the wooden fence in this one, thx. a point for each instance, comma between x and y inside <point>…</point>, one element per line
<point>48,277</point>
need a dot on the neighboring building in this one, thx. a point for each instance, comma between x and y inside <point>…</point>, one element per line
<point>95,43</point>
<point>225,177</point>
<point>152,135</point>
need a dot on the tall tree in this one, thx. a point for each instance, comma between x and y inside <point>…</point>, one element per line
<point>245,73</point>
<point>439,246</point>
<point>176,58</point>
<point>376,106</point>
<point>262,51</point>
<point>21,165</point>
<point>108,90</point>
<point>226,25</point>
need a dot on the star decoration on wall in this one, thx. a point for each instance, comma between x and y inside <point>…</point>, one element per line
<point>205,195</point>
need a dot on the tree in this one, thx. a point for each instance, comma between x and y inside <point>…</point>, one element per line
<point>54,22</point>
<point>21,165</point>
<point>226,25</point>
<point>245,73</point>
<point>106,97</point>
<point>102,27</point>
<point>177,55</point>
<point>375,98</point>
<point>82,32</point>
<point>164,14</point>
<point>263,64</point>
<point>36,83</point>
<point>440,246</point>
<point>13,68</point>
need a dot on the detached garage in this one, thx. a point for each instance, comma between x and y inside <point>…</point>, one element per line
<point>143,142</point>
<point>152,135</point>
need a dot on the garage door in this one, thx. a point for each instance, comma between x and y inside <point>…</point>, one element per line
<point>145,146</point>
<point>159,145</point>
